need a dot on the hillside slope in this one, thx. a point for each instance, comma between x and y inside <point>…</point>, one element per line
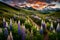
<point>8,12</point>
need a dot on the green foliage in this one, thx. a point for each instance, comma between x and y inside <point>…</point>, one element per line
<point>52,36</point>
<point>58,35</point>
<point>28,36</point>
<point>22,20</point>
<point>1,36</point>
<point>48,25</point>
<point>37,21</point>
<point>15,31</point>
<point>28,26</point>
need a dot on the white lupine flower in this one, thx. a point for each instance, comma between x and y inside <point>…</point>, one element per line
<point>3,19</point>
<point>6,24</point>
<point>41,28</point>
<point>42,21</point>
<point>23,28</point>
<point>51,24</point>
<point>0,30</point>
<point>8,38</point>
<point>10,21</point>
<point>58,26</point>
<point>50,20</point>
<point>11,24</point>
<point>43,24</point>
<point>11,37</point>
<point>54,30</point>
<point>51,27</point>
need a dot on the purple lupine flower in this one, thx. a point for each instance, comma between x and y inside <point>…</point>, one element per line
<point>19,31</point>
<point>23,37</point>
<point>10,24</point>
<point>58,28</point>
<point>4,23</point>
<point>51,27</point>
<point>41,30</point>
<point>43,24</point>
<point>23,29</point>
<point>6,32</point>
<point>23,32</point>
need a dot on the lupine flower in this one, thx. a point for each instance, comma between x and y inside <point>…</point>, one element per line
<point>19,31</point>
<point>49,20</point>
<point>23,32</point>
<point>43,24</point>
<point>0,30</point>
<point>51,27</point>
<point>15,17</point>
<point>54,31</point>
<point>58,28</point>
<point>58,20</point>
<point>41,30</point>
<point>4,23</point>
<point>8,38</point>
<point>6,32</point>
<point>31,35</point>
<point>10,24</point>
<point>11,37</point>
<point>23,29</point>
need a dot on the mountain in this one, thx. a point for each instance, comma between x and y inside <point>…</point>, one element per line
<point>8,5</point>
<point>50,10</point>
<point>29,8</point>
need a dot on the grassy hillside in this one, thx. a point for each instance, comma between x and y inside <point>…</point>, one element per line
<point>9,12</point>
<point>30,19</point>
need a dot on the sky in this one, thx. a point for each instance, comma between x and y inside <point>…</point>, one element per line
<point>57,2</point>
